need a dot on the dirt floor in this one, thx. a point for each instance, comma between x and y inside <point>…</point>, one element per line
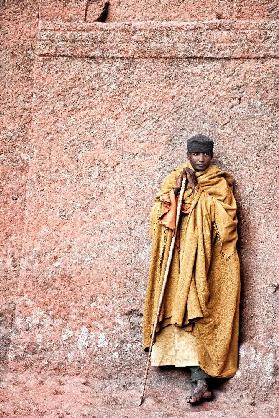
<point>34,396</point>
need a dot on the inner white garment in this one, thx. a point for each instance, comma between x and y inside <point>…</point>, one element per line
<point>174,346</point>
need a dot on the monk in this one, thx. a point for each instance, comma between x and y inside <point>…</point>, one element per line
<point>199,319</point>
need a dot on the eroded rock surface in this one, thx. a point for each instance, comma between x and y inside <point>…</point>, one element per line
<point>95,115</point>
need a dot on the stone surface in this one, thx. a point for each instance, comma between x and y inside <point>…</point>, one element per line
<point>18,28</point>
<point>215,39</point>
<point>92,123</point>
<point>40,395</point>
<point>163,10</point>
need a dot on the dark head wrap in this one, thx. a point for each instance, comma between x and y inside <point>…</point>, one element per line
<point>200,143</point>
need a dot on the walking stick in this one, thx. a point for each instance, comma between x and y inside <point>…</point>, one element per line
<point>178,211</point>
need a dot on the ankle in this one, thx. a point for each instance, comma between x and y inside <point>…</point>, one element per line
<point>202,383</point>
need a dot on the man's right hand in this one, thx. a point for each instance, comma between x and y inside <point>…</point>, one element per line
<point>190,179</point>
<point>179,182</point>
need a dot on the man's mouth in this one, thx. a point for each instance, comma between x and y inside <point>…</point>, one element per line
<point>200,167</point>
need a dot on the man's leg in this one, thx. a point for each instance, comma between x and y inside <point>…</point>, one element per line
<point>197,374</point>
<point>200,391</point>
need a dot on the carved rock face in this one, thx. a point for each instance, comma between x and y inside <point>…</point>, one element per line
<point>92,122</point>
<point>168,10</point>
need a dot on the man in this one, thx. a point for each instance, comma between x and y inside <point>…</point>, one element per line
<point>198,321</point>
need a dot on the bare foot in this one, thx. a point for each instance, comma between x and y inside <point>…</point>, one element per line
<point>200,393</point>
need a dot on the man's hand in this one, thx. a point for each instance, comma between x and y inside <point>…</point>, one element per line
<point>190,178</point>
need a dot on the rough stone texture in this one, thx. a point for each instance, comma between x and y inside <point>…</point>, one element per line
<point>112,106</point>
<point>163,10</point>
<point>192,9</point>
<point>167,10</point>
<point>18,27</point>
<point>226,39</point>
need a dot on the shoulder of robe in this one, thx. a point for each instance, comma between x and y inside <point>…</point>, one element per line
<point>218,171</point>
<point>229,178</point>
<point>217,183</point>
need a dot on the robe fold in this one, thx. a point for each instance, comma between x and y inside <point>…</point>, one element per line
<point>202,293</point>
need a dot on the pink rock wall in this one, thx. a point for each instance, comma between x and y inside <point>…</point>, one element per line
<point>18,29</point>
<point>95,117</point>
<point>164,10</point>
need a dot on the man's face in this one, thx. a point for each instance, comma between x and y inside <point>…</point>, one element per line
<point>199,160</point>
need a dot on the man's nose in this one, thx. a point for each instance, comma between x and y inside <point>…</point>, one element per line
<point>201,158</point>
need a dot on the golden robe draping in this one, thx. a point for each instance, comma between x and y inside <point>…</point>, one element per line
<point>203,287</point>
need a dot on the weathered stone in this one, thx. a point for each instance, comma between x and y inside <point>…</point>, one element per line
<point>226,39</point>
<point>164,10</point>
<point>93,121</point>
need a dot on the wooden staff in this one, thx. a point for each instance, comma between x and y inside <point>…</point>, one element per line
<point>178,211</point>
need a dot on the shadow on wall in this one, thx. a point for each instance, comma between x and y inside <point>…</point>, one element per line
<point>240,230</point>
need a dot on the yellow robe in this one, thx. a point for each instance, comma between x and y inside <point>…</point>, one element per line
<point>202,294</point>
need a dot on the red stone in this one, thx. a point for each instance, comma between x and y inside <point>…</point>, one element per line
<point>94,116</point>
